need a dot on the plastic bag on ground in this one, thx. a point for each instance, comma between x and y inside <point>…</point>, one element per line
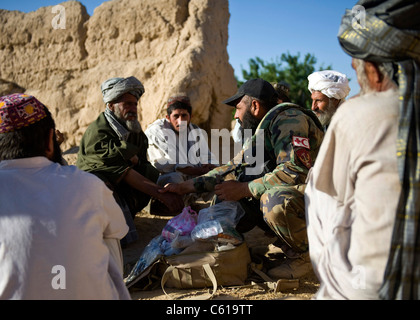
<point>150,253</point>
<point>156,248</point>
<point>180,242</point>
<point>181,225</point>
<point>218,222</point>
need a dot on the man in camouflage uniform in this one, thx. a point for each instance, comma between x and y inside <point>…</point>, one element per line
<point>272,193</point>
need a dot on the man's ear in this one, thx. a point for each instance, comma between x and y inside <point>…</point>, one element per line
<point>49,151</point>
<point>257,109</point>
<point>373,74</point>
<point>336,102</point>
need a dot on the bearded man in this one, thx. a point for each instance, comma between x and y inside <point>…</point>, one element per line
<point>269,187</point>
<point>114,148</point>
<point>362,196</point>
<point>329,90</point>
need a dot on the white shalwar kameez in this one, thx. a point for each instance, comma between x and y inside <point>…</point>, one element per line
<point>351,198</point>
<point>59,233</point>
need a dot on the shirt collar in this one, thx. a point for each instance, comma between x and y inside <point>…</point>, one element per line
<point>33,162</point>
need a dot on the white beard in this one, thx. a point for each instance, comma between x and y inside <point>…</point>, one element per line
<point>326,115</point>
<point>132,125</point>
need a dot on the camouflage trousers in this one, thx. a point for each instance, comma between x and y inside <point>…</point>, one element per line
<point>280,209</point>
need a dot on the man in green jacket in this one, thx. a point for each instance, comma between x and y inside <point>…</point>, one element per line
<point>114,148</point>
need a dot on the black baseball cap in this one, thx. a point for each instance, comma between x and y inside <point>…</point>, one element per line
<point>257,88</point>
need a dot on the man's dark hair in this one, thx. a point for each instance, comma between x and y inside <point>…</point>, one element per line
<point>29,141</point>
<point>283,97</point>
<point>178,105</point>
<point>267,104</point>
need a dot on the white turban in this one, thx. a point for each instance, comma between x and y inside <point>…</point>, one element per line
<point>331,83</point>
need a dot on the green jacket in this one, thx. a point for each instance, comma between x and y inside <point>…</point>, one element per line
<point>292,137</point>
<point>105,155</point>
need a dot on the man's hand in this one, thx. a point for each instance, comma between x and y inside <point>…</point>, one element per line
<point>172,201</point>
<point>232,190</point>
<point>172,187</point>
<point>208,167</point>
<point>134,160</point>
<point>179,188</point>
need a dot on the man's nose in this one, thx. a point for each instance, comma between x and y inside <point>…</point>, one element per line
<point>314,107</point>
<point>133,108</point>
<point>236,116</point>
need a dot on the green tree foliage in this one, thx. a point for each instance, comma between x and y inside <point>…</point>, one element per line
<point>287,68</point>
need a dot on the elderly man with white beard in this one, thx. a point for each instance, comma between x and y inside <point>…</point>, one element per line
<point>114,148</point>
<point>353,190</point>
<point>362,197</point>
<point>329,90</point>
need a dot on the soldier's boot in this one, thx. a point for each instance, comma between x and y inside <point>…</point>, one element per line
<point>292,268</point>
<point>266,250</point>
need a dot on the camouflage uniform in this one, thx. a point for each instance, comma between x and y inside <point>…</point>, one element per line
<point>292,137</point>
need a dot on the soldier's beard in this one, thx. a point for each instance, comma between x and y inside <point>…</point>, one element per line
<point>249,122</point>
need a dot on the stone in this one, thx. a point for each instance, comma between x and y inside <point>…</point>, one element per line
<point>169,45</point>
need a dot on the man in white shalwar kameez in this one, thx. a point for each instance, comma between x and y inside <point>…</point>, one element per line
<point>362,198</point>
<point>179,148</point>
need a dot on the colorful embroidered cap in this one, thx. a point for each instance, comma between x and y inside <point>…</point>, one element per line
<point>19,110</point>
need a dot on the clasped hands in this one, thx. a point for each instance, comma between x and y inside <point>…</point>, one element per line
<point>227,190</point>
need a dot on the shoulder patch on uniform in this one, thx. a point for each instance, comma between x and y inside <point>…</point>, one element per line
<point>305,157</point>
<point>301,142</point>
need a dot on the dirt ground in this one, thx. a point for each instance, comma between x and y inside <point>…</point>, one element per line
<point>149,226</point>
